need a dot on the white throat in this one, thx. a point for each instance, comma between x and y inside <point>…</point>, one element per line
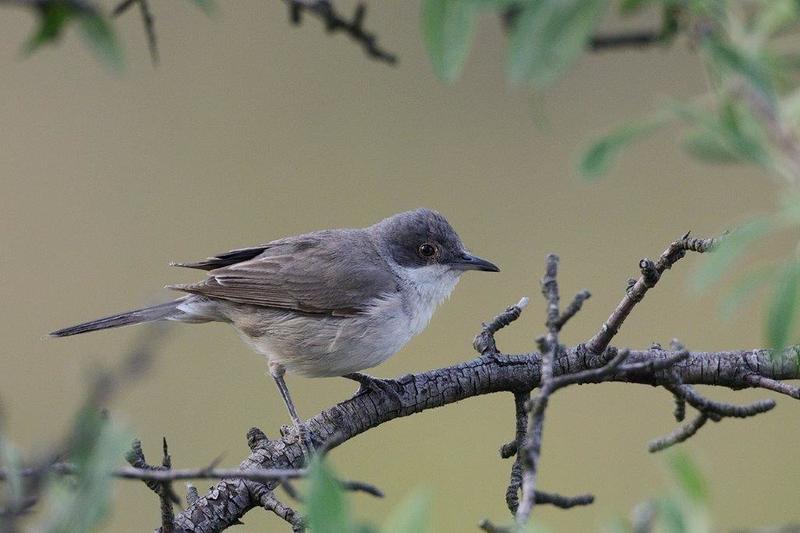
<point>424,289</point>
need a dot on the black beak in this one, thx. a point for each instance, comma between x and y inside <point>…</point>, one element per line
<point>468,261</point>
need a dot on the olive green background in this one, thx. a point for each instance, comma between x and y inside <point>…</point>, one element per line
<point>251,130</point>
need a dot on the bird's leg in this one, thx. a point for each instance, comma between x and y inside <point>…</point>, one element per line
<point>277,371</point>
<point>370,383</point>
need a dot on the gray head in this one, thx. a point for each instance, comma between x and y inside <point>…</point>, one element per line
<point>422,238</point>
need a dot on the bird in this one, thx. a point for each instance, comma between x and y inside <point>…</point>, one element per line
<point>326,303</point>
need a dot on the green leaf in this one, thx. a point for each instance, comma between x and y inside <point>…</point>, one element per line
<point>782,309</point>
<point>53,18</point>
<point>550,35</point>
<point>597,160</point>
<point>710,148</point>
<point>448,27</point>
<point>690,480</point>
<point>742,63</point>
<point>100,37</point>
<point>410,516</point>
<point>326,507</point>
<point>732,127</point>
<point>728,250</point>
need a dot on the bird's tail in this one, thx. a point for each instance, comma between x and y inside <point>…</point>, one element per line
<point>165,311</point>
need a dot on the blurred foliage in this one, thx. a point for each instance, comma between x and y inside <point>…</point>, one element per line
<point>327,509</point>
<point>684,509</point>
<point>54,17</point>
<point>75,503</point>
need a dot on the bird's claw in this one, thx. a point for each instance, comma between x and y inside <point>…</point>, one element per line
<point>369,383</point>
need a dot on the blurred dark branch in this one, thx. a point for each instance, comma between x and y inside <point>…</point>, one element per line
<point>334,21</point>
<point>148,20</point>
<point>616,41</point>
<point>600,43</point>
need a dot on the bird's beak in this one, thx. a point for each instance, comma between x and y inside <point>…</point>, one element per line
<point>468,261</point>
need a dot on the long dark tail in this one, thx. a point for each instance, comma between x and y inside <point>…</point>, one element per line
<point>147,314</point>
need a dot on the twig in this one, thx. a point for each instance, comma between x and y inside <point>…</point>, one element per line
<point>148,20</point>
<point>269,502</point>
<point>651,274</point>
<point>333,22</point>
<point>167,513</point>
<point>528,456</point>
<point>641,39</point>
<point>680,434</point>
<point>572,308</point>
<point>771,384</point>
<point>563,502</point>
<point>521,400</point>
<point>484,342</point>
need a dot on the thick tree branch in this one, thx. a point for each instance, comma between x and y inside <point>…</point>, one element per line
<point>230,499</point>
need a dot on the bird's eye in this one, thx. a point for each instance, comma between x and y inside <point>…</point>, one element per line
<point>427,250</point>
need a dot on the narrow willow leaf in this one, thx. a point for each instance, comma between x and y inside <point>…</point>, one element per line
<point>733,128</point>
<point>783,307</point>
<point>100,36</point>
<point>410,516</point>
<point>710,148</point>
<point>326,507</point>
<point>549,35</point>
<point>690,480</point>
<point>729,250</point>
<point>742,63</point>
<point>597,160</point>
<point>448,27</point>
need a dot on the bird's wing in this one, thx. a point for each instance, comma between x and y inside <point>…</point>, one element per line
<point>225,259</point>
<point>334,272</point>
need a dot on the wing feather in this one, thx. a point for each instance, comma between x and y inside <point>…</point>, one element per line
<point>336,272</point>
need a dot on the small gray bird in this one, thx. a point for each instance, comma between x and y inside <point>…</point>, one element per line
<point>327,303</point>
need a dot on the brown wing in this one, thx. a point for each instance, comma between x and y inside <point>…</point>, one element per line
<point>334,272</point>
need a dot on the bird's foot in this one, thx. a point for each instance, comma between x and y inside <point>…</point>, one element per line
<point>367,383</point>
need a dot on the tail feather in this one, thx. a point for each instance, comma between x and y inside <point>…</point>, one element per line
<point>148,314</point>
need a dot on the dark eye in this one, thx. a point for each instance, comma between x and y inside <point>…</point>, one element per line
<point>427,250</point>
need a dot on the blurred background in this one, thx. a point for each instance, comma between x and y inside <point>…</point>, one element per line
<point>250,130</point>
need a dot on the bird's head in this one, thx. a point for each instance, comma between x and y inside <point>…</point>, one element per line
<point>423,239</point>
